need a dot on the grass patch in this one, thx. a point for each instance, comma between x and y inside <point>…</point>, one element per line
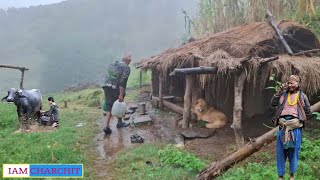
<point>167,163</point>
<point>67,145</point>
<point>134,78</point>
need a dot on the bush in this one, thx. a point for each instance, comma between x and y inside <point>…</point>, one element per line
<point>173,156</point>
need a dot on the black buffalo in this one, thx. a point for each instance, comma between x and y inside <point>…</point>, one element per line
<point>28,102</point>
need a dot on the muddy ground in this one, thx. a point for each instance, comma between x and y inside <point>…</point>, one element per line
<point>163,130</point>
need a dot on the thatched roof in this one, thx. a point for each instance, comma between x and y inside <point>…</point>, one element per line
<point>226,49</point>
<point>308,68</point>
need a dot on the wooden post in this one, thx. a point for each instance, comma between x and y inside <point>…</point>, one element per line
<point>22,76</point>
<point>140,78</point>
<point>65,104</point>
<point>187,102</point>
<point>237,109</point>
<point>22,69</point>
<point>160,91</point>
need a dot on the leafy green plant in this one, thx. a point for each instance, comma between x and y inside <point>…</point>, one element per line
<point>317,114</point>
<point>176,157</point>
<point>310,149</point>
<point>277,85</point>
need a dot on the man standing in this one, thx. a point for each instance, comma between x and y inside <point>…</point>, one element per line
<point>114,87</point>
<point>293,108</point>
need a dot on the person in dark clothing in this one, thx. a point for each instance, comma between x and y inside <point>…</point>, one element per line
<point>293,109</point>
<point>114,88</point>
<point>52,115</point>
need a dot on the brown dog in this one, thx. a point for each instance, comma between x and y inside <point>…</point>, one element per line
<point>215,118</point>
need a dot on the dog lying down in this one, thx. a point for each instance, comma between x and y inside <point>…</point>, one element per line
<point>215,118</point>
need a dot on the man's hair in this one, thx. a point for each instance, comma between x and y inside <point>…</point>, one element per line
<point>126,57</point>
<point>51,99</point>
<point>295,78</point>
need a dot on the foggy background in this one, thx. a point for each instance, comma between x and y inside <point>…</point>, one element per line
<point>73,41</point>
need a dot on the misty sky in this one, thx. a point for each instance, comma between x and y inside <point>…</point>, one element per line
<point>25,3</point>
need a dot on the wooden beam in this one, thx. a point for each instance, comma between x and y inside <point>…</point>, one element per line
<point>160,91</point>
<point>14,67</point>
<point>315,107</point>
<point>237,109</point>
<point>307,51</point>
<point>195,70</point>
<point>216,168</point>
<point>187,102</point>
<point>171,106</point>
<point>275,27</point>
<point>267,60</point>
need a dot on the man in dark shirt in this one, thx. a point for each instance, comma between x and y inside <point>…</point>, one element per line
<point>114,87</point>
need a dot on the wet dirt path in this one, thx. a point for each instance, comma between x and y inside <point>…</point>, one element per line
<point>161,130</point>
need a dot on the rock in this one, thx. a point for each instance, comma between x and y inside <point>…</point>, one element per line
<point>197,133</point>
<point>80,125</point>
<point>142,119</point>
<point>126,118</point>
<point>178,141</point>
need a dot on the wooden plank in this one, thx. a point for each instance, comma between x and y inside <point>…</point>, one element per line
<point>171,106</point>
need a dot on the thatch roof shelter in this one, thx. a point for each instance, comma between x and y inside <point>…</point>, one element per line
<point>241,49</point>
<point>256,40</point>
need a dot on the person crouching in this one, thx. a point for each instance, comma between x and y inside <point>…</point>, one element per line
<point>52,115</point>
